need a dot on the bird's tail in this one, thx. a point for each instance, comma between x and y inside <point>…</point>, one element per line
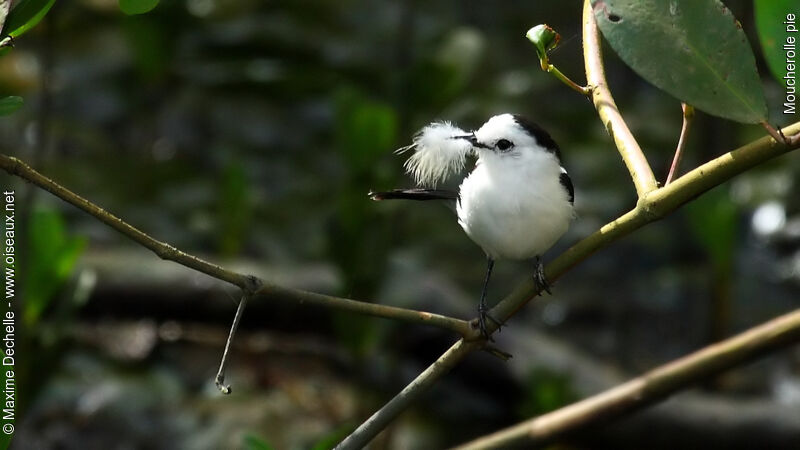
<point>414,194</point>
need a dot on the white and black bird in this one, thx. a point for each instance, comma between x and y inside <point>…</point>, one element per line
<point>517,201</point>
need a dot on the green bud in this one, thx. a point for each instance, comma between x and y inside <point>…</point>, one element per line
<point>545,39</point>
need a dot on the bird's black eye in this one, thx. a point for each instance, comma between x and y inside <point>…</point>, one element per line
<point>504,144</point>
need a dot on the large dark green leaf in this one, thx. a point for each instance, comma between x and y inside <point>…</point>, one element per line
<point>770,15</point>
<point>10,104</point>
<point>25,15</point>
<point>132,7</point>
<point>693,49</point>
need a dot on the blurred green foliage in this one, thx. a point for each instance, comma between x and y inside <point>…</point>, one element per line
<point>365,131</point>
<point>150,44</point>
<point>254,442</point>
<point>545,391</point>
<point>52,254</point>
<point>235,209</point>
<point>713,219</point>
<point>10,104</point>
<point>330,440</point>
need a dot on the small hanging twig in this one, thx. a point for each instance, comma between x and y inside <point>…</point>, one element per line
<point>219,380</point>
<point>688,115</point>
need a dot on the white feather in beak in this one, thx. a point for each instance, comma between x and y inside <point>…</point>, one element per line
<point>438,153</point>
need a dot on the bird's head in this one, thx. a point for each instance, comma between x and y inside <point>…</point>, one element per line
<point>510,136</point>
<point>440,149</point>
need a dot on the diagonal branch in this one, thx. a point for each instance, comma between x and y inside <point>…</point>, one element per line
<point>248,283</point>
<point>650,208</point>
<point>629,149</point>
<point>648,388</point>
<point>371,427</point>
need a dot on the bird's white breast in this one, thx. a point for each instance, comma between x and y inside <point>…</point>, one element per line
<point>515,208</point>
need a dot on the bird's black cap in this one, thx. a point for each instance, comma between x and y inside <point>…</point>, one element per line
<point>542,137</point>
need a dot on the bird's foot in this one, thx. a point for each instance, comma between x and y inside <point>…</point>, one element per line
<point>483,314</point>
<point>540,279</point>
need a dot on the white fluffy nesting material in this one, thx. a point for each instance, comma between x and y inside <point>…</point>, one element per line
<point>437,153</point>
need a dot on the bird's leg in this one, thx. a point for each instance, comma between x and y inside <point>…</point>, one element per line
<point>482,307</point>
<point>539,278</point>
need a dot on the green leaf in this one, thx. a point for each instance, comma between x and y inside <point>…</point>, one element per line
<point>25,15</point>
<point>769,16</point>
<point>133,7</point>
<point>4,7</point>
<point>10,104</point>
<point>693,49</point>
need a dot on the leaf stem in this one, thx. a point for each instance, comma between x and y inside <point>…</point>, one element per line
<point>551,69</point>
<point>688,115</point>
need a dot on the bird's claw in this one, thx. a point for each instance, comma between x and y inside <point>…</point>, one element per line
<point>540,279</point>
<point>483,314</point>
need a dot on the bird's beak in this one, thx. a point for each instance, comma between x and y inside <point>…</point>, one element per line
<point>472,140</point>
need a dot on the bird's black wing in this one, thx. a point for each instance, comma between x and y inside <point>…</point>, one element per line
<point>414,194</point>
<point>566,182</point>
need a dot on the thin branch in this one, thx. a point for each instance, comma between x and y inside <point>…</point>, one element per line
<point>650,387</point>
<point>688,115</point>
<point>248,283</point>
<point>650,208</point>
<point>462,327</point>
<point>629,149</point>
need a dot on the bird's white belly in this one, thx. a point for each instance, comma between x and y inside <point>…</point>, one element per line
<point>521,225</point>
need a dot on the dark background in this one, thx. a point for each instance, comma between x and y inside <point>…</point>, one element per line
<point>249,133</point>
